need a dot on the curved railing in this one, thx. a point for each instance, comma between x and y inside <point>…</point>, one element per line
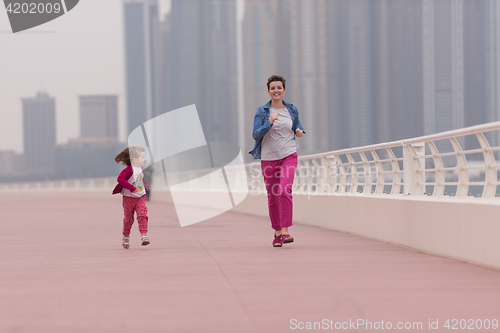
<point>86,184</point>
<point>411,167</point>
<point>435,165</point>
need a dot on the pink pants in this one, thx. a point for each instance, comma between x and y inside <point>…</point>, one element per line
<point>131,204</point>
<point>278,177</point>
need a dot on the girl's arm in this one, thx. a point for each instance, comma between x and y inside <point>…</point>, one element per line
<point>123,178</point>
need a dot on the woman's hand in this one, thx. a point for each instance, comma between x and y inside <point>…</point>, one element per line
<point>299,132</point>
<point>274,116</point>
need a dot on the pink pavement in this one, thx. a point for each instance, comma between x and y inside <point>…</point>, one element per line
<point>63,269</point>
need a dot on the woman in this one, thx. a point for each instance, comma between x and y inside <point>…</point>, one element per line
<point>274,128</point>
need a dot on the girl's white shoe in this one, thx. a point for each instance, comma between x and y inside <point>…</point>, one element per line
<point>125,242</point>
<point>145,240</point>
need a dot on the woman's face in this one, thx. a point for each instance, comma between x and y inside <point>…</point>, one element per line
<point>276,90</point>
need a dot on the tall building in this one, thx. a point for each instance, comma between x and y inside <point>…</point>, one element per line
<point>349,70</point>
<point>288,38</point>
<point>381,80</point>
<point>99,116</point>
<point>260,59</point>
<point>307,86</point>
<point>402,63</point>
<point>11,164</point>
<point>203,60</point>
<point>39,130</point>
<point>165,64</point>
<point>381,70</point>
<point>374,70</point>
<point>335,70</point>
<point>475,66</point>
<point>358,48</point>
<point>443,67</point>
<point>87,157</point>
<point>92,154</point>
<point>492,65</point>
<point>142,53</point>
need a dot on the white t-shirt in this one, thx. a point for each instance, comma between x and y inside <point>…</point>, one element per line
<point>279,141</point>
<point>137,180</point>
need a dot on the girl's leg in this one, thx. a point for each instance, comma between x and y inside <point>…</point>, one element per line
<point>128,214</point>
<point>289,166</point>
<point>142,215</point>
<point>270,171</point>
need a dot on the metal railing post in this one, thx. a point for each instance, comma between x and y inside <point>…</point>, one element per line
<point>414,181</point>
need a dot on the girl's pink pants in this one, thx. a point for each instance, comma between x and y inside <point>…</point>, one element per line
<point>131,205</point>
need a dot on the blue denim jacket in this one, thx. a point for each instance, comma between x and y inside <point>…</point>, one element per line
<point>261,125</point>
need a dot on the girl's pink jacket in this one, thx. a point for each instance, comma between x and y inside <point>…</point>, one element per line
<point>123,181</point>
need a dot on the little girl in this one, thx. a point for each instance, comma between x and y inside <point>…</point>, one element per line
<point>133,187</point>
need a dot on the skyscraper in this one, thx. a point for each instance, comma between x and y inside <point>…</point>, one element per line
<point>337,107</point>
<point>143,83</point>
<point>492,65</point>
<point>39,129</point>
<point>307,86</point>
<point>402,56</point>
<point>259,58</point>
<point>203,59</point>
<point>165,64</point>
<point>11,164</point>
<point>358,78</point>
<point>99,116</point>
<point>443,67</point>
<point>287,37</point>
<point>475,68</point>
<point>349,70</point>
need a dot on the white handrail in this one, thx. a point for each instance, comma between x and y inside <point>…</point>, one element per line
<point>85,184</point>
<point>374,175</point>
<point>373,169</point>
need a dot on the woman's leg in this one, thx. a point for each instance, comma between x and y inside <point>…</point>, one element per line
<point>288,166</point>
<point>270,171</point>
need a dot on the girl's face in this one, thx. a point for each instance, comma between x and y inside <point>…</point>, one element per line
<point>276,90</point>
<point>139,161</point>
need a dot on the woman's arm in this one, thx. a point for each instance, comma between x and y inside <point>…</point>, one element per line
<point>298,124</point>
<point>260,125</point>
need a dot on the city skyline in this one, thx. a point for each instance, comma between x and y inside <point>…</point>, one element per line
<point>390,69</point>
<point>80,53</point>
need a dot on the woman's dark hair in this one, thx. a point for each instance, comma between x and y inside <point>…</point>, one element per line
<point>127,153</point>
<point>275,78</point>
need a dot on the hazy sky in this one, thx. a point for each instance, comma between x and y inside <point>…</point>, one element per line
<point>76,54</point>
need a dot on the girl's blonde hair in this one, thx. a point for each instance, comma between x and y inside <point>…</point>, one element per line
<point>129,153</point>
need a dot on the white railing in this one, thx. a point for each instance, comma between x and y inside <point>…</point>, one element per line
<point>87,184</point>
<point>403,167</point>
<point>407,167</point>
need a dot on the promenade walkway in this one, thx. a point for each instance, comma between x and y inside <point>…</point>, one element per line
<point>63,270</point>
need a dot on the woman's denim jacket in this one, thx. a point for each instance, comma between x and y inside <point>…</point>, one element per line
<point>261,125</point>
